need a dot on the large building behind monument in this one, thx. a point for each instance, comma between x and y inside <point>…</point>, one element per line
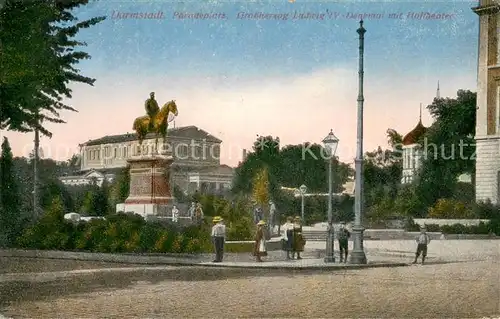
<point>196,155</point>
<point>488,107</point>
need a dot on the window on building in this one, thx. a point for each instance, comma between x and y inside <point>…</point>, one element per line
<point>183,151</point>
<point>115,155</point>
<point>216,151</point>
<point>213,187</point>
<point>204,187</point>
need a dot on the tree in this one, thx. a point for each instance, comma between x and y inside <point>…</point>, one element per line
<point>121,187</point>
<point>383,170</point>
<point>38,61</point>
<point>261,187</point>
<point>266,152</point>
<point>306,164</point>
<point>449,146</point>
<point>96,200</point>
<point>10,203</point>
<point>55,188</point>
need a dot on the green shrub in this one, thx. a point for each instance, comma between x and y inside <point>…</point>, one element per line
<point>492,227</point>
<point>51,231</point>
<point>446,208</point>
<point>486,210</point>
<point>164,242</point>
<point>432,228</point>
<point>242,229</point>
<point>148,236</point>
<point>117,234</point>
<point>194,245</point>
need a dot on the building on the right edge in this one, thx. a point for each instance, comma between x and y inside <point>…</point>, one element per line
<point>488,108</point>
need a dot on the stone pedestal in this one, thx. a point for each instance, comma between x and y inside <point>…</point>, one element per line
<point>150,192</point>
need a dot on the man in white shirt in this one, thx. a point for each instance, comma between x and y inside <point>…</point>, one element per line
<point>218,238</point>
<point>422,241</point>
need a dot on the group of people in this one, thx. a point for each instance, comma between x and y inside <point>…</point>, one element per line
<point>195,213</point>
<point>219,238</point>
<point>293,241</point>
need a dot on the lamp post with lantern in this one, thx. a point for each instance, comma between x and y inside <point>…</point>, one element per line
<point>331,142</point>
<point>358,255</point>
<point>303,191</point>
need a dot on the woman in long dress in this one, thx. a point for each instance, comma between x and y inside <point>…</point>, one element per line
<point>260,249</point>
<point>287,234</point>
<point>298,239</point>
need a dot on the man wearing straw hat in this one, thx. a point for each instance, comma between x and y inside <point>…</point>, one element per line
<point>218,238</point>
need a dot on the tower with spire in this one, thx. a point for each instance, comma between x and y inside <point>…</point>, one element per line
<point>412,150</point>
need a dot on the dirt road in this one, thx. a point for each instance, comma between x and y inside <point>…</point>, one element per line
<point>454,290</point>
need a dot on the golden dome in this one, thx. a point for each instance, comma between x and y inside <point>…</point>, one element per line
<point>413,136</point>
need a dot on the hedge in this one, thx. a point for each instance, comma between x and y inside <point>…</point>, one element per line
<point>492,227</point>
<point>118,233</point>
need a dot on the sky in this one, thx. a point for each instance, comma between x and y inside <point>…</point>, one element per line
<point>238,76</point>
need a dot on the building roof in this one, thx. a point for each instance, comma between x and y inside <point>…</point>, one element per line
<point>102,171</point>
<point>219,170</point>
<point>190,132</point>
<point>414,135</point>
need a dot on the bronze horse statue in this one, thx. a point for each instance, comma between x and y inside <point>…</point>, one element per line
<point>158,124</point>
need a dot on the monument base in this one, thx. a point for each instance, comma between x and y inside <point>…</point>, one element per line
<point>145,210</point>
<point>149,181</point>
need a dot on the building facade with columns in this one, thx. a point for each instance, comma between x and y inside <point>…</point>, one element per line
<point>196,155</point>
<point>488,98</point>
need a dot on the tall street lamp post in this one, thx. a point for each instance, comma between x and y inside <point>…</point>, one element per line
<point>303,190</point>
<point>331,142</point>
<point>358,254</point>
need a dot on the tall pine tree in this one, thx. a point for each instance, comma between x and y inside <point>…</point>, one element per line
<point>9,197</point>
<point>39,55</point>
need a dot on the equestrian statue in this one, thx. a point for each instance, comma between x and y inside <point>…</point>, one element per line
<point>156,121</point>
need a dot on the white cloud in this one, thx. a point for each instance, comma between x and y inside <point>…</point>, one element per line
<point>297,109</point>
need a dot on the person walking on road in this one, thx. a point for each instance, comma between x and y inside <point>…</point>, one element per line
<point>260,249</point>
<point>422,241</point>
<point>218,238</point>
<point>343,237</point>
